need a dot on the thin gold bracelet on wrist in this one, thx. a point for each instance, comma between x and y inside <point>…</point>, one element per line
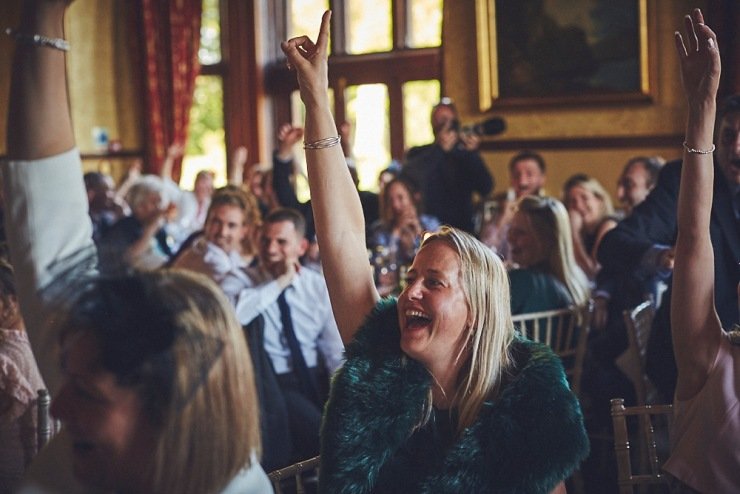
<point>327,142</point>
<point>698,151</point>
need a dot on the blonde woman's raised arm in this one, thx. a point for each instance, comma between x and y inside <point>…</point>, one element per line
<point>340,226</point>
<point>695,325</point>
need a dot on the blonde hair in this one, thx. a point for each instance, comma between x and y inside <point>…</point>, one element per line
<point>172,337</point>
<point>592,185</point>
<point>551,225</point>
<point>486,287</point>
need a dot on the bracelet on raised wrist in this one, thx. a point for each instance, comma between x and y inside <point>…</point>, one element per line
<point>327,142</point>
<point>38,40</point>
<point>691,150</point>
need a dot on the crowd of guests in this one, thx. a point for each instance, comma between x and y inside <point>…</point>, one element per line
<point>196,339</point>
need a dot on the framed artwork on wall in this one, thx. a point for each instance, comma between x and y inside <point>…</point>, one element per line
<point>561,52</point>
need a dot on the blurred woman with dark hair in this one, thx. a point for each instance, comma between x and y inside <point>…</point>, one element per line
<point>400,225</point>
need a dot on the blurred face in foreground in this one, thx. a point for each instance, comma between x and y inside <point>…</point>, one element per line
<point>113,442</point>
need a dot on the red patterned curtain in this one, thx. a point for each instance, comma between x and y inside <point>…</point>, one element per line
<point>170,37</point>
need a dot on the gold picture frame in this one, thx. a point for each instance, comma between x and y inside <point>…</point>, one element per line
<point>531,56</point>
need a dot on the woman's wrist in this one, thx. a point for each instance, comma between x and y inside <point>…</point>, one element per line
<point>701,111</point>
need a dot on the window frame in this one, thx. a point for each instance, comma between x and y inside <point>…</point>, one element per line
<point>393,69</point>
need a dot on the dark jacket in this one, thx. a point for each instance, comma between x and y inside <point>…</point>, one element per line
<point>654,222</point>
<point>526,439</point>
<point>282,171</point>
<point>447,181</point>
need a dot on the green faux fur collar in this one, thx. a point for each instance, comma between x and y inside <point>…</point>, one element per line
<point>526,440</point>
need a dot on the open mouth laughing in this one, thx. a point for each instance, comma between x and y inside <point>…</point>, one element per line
<point>416,319</point>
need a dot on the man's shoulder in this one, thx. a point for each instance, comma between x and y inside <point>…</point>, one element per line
<point>417,151</point>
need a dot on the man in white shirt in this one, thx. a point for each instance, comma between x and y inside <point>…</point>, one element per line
<point>281,290</point>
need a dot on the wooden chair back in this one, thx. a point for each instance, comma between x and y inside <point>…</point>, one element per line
<point>648,445</point>
<point>638,322</point>
<point>295,475</point>
<point>565,331</point>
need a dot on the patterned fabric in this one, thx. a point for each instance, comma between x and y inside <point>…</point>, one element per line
<point>19,382</point>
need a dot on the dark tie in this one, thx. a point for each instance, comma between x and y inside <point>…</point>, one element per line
<point>300,369</point>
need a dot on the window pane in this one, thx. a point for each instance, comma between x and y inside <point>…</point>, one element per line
<point>425,23</point>
<point>367,111</point>
<point>206,148</point>
<point>418,99</point>
<point>304,17</point>
<point>369,26</point>
<point>210,33</point>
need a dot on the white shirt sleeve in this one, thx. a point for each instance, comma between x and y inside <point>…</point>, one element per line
<point>254,299</point>
<point>47,227</point>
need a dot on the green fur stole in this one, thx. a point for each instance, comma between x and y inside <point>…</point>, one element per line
<point>526,440</point>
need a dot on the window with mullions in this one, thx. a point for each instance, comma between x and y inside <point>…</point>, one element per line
<point>384,69</point>
<point>206,146</point>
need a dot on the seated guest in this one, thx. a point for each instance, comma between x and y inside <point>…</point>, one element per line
<point>300,333</point>
<point>437,393</point>
<point>103,209</point>
<point>138,241</point>
<point>704,438</point>
<point>541,247</point>
<point>624,289</point>
<point>638,178</point>
<point>591,216</point>
<point>527,175</point>
<point>400,227</point>
<point>155,386</point>
<point>643,243</point>
<point>20,381</point>
<point>218,252</point>
<point>232,217</point>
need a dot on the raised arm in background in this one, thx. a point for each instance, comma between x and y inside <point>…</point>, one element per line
<point>340,225</point>
<point>174,152</point>
<point>236,166</point>
<point>696,328</point>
